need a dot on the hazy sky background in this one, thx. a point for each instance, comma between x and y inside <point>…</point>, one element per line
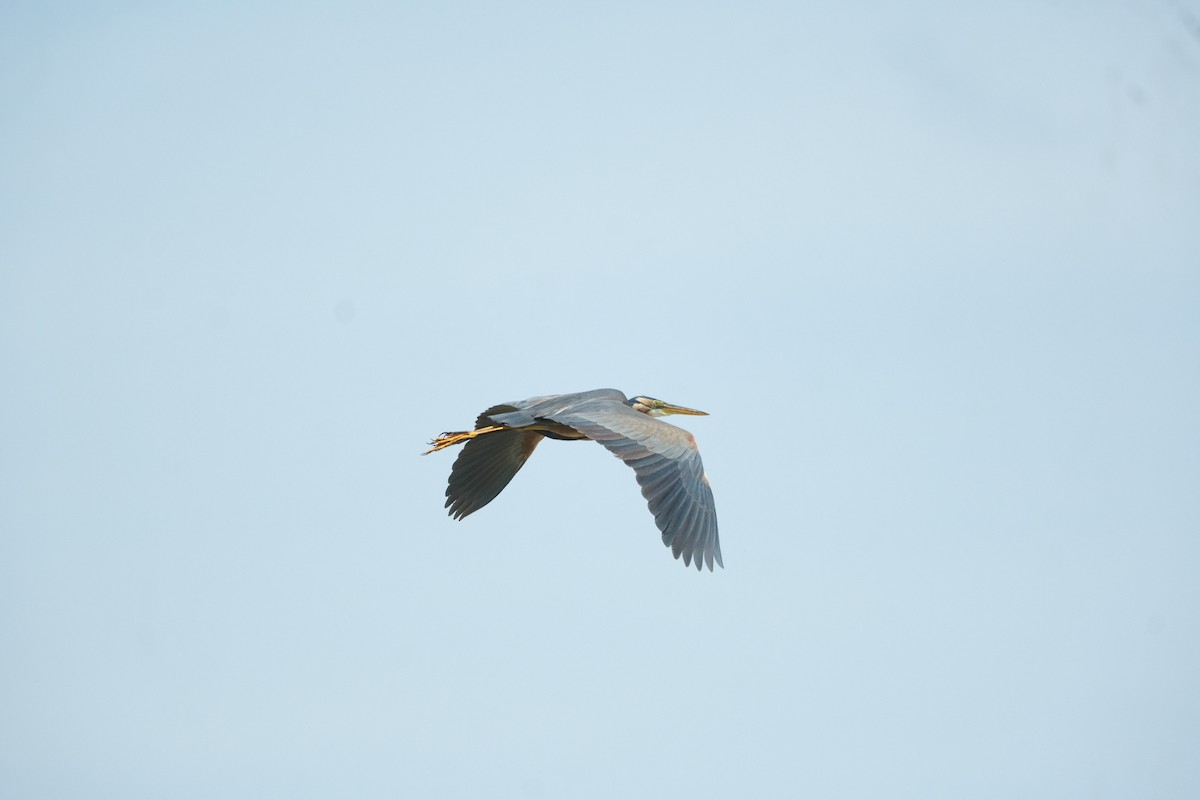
<point>933,268</point>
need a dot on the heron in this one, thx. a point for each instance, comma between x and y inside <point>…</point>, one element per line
<point>664,457</point>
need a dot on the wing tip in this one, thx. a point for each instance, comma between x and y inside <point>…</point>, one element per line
<point>702,558</point>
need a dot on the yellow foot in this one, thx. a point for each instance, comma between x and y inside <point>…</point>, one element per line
<point>458,437</point>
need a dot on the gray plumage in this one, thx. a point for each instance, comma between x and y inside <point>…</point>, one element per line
<point>664,457</point>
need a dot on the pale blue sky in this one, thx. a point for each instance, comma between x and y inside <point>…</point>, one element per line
<point>934,270</point>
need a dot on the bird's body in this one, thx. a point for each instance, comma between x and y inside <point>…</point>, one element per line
<point>664,457</point>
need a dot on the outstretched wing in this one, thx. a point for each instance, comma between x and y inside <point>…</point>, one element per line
<point>487,464</point>
<point>669,470</point>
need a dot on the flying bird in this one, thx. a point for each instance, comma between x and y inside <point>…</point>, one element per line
<point>664,457</point>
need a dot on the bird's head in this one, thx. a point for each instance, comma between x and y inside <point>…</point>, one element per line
<point>654,407</point>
